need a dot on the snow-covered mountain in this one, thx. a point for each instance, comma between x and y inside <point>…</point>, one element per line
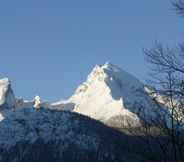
<point>113,96</point>
<point>110,95</point>
<point>7,98</point>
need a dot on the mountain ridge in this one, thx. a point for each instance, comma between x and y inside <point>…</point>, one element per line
<point>108,92</point>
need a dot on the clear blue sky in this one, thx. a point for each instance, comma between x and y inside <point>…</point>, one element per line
<point>48,47</point>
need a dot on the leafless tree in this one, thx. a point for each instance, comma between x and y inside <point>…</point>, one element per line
<point>167,71</point>
<point>179,6</point>
<point>167,78</point>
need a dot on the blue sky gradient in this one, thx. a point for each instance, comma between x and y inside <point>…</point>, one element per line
<point>49,47</point>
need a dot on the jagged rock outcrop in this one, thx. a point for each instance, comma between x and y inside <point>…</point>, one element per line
<point>7,98</point>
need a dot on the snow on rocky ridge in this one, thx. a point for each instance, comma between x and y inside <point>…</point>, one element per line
<point>7,98</point>
<point>111,94</point>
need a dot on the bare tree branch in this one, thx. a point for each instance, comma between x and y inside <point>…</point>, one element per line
<point>179,6</point>
<point>167,65</point>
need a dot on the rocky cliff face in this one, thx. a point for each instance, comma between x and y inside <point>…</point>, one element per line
<point>110,92</point>
<point>7,98</point>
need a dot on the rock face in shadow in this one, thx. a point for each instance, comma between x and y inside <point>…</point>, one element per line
<point>45,135</point>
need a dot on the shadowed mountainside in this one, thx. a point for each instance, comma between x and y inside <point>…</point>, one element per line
<point>52,136</point>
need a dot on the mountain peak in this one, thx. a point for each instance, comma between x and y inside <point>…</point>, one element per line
<point>107,66</point>
<point>102,72</point>
<point>110,93</point>
<point>4,81</point>
<point>99,77</point>
<point>111,75</point>
<point>7,98</point>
